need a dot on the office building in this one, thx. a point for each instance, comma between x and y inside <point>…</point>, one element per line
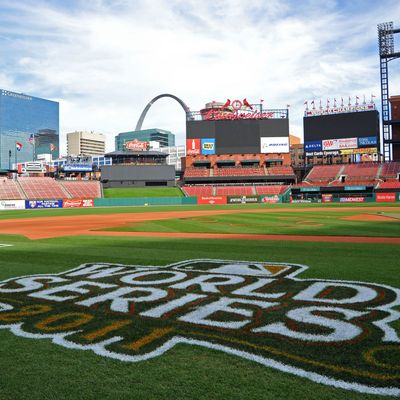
<point>85,143</point>
<point>28,126</point>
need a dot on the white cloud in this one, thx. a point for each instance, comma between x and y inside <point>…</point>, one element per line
<point>104,61</point>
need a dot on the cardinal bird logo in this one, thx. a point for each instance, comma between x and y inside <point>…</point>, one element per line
<point>227,104</point>
<point>247,104</point>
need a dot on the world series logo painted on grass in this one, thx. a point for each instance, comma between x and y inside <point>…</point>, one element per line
<point>340,333</point>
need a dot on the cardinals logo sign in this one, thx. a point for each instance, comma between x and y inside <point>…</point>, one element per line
<point>339,333</point>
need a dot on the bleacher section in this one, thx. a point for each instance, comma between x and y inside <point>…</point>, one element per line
<point>271,189</point>
<point>323,173</point>
<point>356,171</point>
<point>390,184</point>
<point>198,190</point>
<point>195,172</point>
<point>42,188</point>
<point>82,189</point>
<point>234,191</point>
<point>280,170</point>
<point>9,190</point>
<point>238,171</point>
<point>390,170</point>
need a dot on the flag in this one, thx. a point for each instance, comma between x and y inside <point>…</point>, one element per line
<point>31,139</point>
<point>52,147</point>
<point>18,146</point>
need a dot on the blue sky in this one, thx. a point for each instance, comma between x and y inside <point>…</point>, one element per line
<point>104,60</point>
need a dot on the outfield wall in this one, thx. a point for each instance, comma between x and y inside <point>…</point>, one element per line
<point>386,197</point>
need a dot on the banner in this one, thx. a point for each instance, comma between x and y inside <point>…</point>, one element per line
<point>43,203</point>
<point>327,198</point>
<point>367,141</point>
<point>208,146</point>
<point>339,144</point>
<point>352,200</point>
<point>137,145</point>
<point>192,147</point>
<point>243,199</point>
<point>78,203</point>
<point>386,197</point>
<point>365,150</point>
<point>12,204</point>
<point>211,200</point>
<point>274,144</point>
<point>315,145</point>
<point>270,199</point>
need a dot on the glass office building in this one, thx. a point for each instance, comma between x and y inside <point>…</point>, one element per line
<point>28,126</point>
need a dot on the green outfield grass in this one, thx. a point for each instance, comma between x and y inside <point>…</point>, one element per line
<point>39,369</point>
<point>142,192</point>
<point>325,222</point>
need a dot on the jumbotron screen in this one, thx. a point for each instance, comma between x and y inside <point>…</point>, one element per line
<point>238,136</point>
<point>341,126</point>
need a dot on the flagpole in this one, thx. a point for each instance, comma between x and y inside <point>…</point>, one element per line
<point>15,150</point>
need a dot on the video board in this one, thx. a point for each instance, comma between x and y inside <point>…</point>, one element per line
<point>342,132</point>
<point>237,137</point>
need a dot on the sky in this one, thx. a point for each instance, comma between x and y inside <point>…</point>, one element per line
<point>104,60</point>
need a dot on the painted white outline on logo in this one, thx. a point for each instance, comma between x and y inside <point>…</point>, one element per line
<point>100,347</point>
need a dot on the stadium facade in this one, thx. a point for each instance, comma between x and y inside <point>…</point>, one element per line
<point>28,126</point>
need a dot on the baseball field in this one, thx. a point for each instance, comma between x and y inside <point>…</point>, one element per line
<point>202,302</point>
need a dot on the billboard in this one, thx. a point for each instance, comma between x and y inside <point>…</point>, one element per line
<point>43,203</point>
<point>192,147</point>
<point>208,146</point>
<point>274,145</point>
<point>234,137</point>
<point>78,203</point>
<point>315,145</point>
<point>369,141</point>
<point>12,204</point>
<point>363,124</point>
<point>211,200</point>
<point>339,144</point>
<point>386,197</point>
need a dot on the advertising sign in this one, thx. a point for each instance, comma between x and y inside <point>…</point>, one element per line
<point>78,167</point>
<point>211,200</point>
<point>310,189</point>
<point>243,199</point>
<point>326,198</point>
<point>208,146</point>
<point>352,199</point>
<point>192,147</point>
<point>367,141</point>
<point>339,144</point>
<point>365,150</point>
<point>78,203</point>
<point>12,204</point>
<point>43,203</point>
<point>274,144</point>
<point>270,199</point>
<point>354,188</point>
<point>315,145</point>
<point>136,145</point>
<point>386,197</point>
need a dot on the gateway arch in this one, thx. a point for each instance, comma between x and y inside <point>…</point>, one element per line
<point>146,109</point>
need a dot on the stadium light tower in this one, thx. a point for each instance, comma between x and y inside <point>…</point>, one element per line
<point>387,53</point>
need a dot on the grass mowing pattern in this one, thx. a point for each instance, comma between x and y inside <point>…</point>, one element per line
<point>142,192</point>
<point>185,372</point>
<point>326,223</point>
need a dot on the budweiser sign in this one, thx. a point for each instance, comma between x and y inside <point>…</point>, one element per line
<point>214,115</point>
<point>137,145</point>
